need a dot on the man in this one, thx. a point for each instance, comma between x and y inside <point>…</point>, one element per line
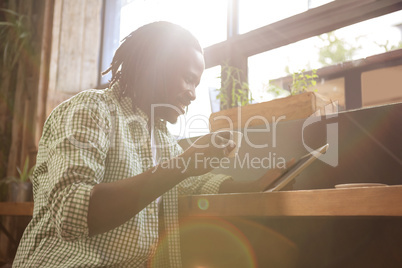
<point>106,162</point>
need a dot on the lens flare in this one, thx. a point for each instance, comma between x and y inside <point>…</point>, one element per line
<point>203,204</point>
<point>206,243</point>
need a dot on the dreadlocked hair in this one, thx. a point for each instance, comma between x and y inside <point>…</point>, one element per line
<point>142,61</point>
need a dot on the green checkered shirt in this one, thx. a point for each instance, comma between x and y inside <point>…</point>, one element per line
<point>96,137</point>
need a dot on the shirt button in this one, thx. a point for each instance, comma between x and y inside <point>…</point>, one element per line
<point>151,211</point>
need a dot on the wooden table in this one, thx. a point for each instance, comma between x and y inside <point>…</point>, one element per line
<point>364,201</point>
<point>356,227</point>
<point>14,209</point>
<point>359,227</point>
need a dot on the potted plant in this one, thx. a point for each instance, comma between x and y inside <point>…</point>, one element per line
<point>16,32</point>
<point>19,189</point>
<point>298,105</point>
<point>302,81</point>
<point>233,92</point>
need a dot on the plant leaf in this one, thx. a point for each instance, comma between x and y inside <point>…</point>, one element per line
<point>12,12</point>
<point>6,23</point>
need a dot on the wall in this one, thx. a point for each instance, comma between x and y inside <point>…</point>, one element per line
<point>57,66</point>
<point>74,62</point>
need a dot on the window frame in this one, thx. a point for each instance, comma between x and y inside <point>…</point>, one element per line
<point>238,47</point>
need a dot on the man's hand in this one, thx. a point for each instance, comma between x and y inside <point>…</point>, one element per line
<point>206,149</point>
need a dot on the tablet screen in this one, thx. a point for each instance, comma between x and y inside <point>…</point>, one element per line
<point>296,169</point>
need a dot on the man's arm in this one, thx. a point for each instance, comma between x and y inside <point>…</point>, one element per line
<point>112,204</point>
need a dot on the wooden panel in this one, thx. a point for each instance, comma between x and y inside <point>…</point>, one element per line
<point>382,86</point>
<point>238,243</point>
<point>284,109</point>
<point>54,57</point>
<point>332,242</point>
<point>91,44</point>
<point>71,46</point>
<point>365,201</point>
<point>75,49</point>
<point>16,209</point>
<point>44,71</point>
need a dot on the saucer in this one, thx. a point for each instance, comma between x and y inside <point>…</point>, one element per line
<point>357,185</point>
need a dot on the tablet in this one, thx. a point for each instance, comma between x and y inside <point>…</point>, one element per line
<point>296,169</point>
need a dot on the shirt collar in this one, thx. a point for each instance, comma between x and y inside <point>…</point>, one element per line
<point>133,114</point>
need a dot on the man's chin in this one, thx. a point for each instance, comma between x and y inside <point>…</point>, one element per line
<point>168,116</point>
<point>172,119</point>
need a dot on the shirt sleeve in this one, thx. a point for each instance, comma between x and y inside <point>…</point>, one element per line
<point>77,152</point>
<point>205,184</point>
<point>208,183</point>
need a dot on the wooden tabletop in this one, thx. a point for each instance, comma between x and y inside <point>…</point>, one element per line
<point>16,209</point>
<point>363,201</point>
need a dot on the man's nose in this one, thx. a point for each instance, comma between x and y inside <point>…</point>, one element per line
<point>191,93</point>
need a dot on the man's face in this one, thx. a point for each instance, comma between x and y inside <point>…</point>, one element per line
<point>181,82</point>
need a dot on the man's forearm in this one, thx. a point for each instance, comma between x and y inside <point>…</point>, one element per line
<point>112,204</point>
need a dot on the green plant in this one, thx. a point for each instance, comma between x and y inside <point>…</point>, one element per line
<point>233,92</point>
<point>335,49</point>
<point>16,52</point>
<point>388,47</point>
<point>15,34</point>
<point>302,81</point>
<point>25,174</point>
<point>18,189</point>
<point>275,91</point>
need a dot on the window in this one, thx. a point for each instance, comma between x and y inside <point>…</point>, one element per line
<point>354,42</point>
<point>254,14</point>
<point>267,40</point>
<point>206,19</point>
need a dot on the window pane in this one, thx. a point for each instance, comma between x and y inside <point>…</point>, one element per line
<point>196,121</point>
<point>206,19</point>
<point>350,43</point>
<point>254,14</point>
